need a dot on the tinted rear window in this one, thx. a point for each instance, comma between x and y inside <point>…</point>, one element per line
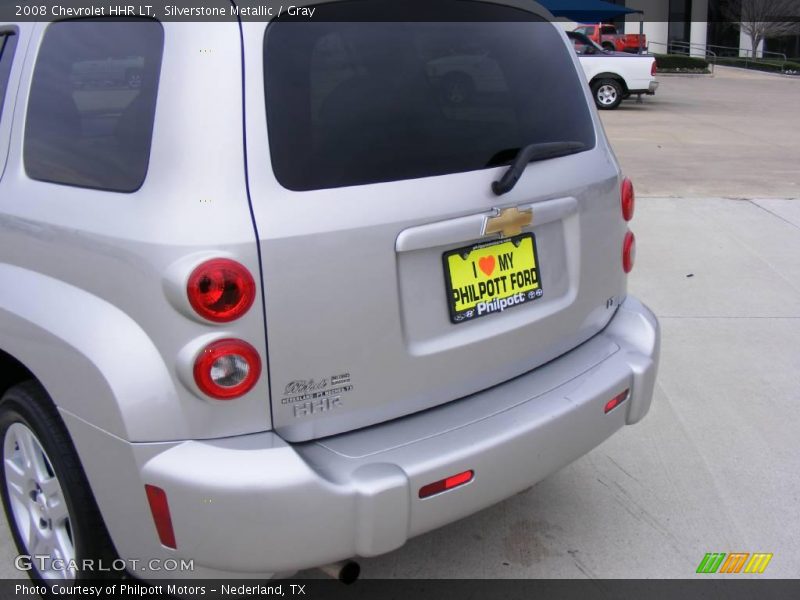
<point>92,101</point>
<point>357,103</point>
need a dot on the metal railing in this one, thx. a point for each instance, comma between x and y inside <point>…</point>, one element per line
<point>750,58</point>
<point>742,56</point>
<point>688,46</point>
<point>734,51</point>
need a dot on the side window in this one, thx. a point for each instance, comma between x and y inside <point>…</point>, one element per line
<point>92,103</point>
<point>7,43</point>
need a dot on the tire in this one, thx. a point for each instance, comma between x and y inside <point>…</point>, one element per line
<point>457,89</point>
<point>48,503</point>
<point>607,93</point>
<point>609,46</point>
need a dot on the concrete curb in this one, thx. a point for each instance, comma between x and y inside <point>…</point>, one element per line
<point>758,72</point>
<point>686,75</point>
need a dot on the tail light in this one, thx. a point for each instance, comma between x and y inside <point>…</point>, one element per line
<point>653,69</point>
<point>628,252</point>
<point>227,369</point>
<point>221,290</point>
<point>627,199</point>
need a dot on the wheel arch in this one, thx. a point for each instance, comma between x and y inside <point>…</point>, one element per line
<point>93,359</point>
<point>12,372</point>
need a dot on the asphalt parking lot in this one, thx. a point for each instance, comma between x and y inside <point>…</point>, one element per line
<point>714,467</point>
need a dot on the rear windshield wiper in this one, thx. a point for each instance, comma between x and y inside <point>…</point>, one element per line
<point>531,153</point>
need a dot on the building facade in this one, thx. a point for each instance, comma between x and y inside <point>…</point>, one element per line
<point>697,26</point>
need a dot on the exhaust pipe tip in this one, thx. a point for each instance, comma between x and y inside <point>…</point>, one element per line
<point>346,571</point>
<point>349,572</point>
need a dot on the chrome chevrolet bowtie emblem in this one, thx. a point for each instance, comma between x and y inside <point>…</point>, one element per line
<point>508,222</point>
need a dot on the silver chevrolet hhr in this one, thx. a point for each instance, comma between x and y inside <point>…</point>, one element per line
<point>276,295</point>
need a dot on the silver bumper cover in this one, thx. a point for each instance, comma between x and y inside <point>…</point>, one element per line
<point>256,505</point>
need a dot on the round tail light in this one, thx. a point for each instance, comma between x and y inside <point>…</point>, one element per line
<point>227,369</point>
<point>628,252</point>
<point>627,199</point>
<point>221,290</point>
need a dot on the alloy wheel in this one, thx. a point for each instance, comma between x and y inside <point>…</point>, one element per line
<point>606,94</point>
<point>38,503</point>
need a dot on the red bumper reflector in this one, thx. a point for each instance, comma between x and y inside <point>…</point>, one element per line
<point>446,484</point>
<point>160,509</point>
<point>616,401</point>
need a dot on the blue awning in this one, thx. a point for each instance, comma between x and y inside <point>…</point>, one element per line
<point>586,11</point>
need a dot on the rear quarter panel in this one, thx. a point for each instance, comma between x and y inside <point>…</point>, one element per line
<point>91,314</point>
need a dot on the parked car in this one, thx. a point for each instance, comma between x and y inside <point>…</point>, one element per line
<point>614,76</point>
<point>282,303</point>
<point>609,38</point>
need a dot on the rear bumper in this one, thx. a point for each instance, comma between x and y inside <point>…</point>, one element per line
<point>649,90</point>
<point>255,505</point>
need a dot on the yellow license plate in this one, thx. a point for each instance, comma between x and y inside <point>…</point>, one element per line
<point>492,277</point>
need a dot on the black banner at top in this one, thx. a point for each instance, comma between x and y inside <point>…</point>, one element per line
<point>250,10</point>
<point>12,11</point>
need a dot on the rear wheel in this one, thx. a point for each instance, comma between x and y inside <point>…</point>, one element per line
<point>607,93</point>
<point>608,46</point>
<point>50,509</point>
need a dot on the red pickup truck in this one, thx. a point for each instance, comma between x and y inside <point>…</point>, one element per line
<point>608,37</point>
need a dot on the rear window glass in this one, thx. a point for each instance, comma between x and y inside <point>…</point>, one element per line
<point>356,103</point>
<point>92,101</point>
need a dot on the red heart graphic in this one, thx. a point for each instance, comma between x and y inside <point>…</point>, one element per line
<point>486,265</point>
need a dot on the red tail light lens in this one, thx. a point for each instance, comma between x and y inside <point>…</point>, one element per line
<point>157,498</point>
<point>221,290</point>
<point>653,69</point>
<point>628,252</point>
<point>227,369</point>
<point>446,484</point>
<point>616,401</point>
<point>627,199</point>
